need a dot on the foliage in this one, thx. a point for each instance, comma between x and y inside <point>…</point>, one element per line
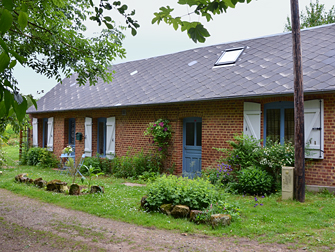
<point>195,30</point>
<point>254,181</point>
<point>197,193</point>
<point>48,37</point>
<point>149,176</point>
<point>161,133</point>
<point>247,152</point>
<point>275,156</point>
<point>315,15</point>
<point>134,165</point>
<point>131,165</point>
<point>222,175</point>
<point>244,152</point>
<point>219,207</point>
<point>42,158</point>
<point>91,171</point>
<point>72,169</point>
<point>2,154</point>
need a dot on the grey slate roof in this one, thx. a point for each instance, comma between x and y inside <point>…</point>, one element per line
<point>265,68</point>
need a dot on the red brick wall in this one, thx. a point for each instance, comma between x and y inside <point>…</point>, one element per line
<point>220,120</point>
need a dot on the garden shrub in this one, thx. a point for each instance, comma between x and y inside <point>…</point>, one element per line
<point>244,153</point>
<point>274,157</point>
<point>253,181</point>
<point>41,157</point>
<point>130,165</point>
<point>134,165</point>
<point>247,151</point>
<point>197,193</point>
<point>220,176</point>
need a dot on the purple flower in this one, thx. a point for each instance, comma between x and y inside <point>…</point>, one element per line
<point>165,129</point>
<point>153,141</point>
<point>263,196</point>
<point>155,125</point>
<point>160,149</point>
<point>261,204</point>
<point>256,205</point>
<point>256,199</point>
<point>243,195</point>
<point>161,124</point>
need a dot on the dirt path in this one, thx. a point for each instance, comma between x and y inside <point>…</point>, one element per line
<point>30,225</point>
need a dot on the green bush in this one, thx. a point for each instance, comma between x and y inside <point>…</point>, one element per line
<point>41,157</point>
<point>131,165</point>
<point>197,193</point>
<point>274,157</point>
<point>253,181</point>
<point>220,176</point>
<point>244,153</point>
<point>134,165</point>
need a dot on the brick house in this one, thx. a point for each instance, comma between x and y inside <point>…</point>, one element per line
<point>208,94</point>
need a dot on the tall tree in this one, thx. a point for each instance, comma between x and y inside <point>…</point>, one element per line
<point>315,15</point>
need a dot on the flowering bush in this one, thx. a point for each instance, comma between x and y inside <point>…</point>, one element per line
<point>220,176</point>
<point>68,150</point>
<point>160,131</point>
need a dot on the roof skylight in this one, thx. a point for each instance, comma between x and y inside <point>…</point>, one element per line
<point>229,56</point>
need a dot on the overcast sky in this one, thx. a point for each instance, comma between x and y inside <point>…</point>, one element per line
<point>256,19</point>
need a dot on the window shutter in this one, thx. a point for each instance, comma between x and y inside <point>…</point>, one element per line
<point>88,137</point>
<point>50,139</point>
<point>110,137</point>
<point>252,119</point>
<point>314,129</point>
<point>35,132</point>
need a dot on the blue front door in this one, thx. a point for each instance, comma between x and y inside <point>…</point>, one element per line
<point>192,146</point>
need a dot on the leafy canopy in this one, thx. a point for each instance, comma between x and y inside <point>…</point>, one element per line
<point>315,15</point>
<point>48,36</point>
<point>204,8</point>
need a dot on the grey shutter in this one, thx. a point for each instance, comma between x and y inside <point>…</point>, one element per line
<point>88,137</point>
<point>35,132</point>
<point>252,119</point>
<point>50,139</point>
<point>110,137</point>
<point>314,129</point>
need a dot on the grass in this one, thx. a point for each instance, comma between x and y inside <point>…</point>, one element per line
<point>308,225</point>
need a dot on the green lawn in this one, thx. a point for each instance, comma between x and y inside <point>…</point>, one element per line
<point>308,225</point>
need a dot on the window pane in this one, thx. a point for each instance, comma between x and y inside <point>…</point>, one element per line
<point>190,133</point>
<point>101,137</point>
<point>71,131</point>
<point>199,124</point>
<point>289,125</point>
<point>273,124</point>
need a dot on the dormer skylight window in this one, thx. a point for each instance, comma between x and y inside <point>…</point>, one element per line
<point>229,56</point>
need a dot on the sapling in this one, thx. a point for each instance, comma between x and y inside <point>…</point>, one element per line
<point>90,171</point>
